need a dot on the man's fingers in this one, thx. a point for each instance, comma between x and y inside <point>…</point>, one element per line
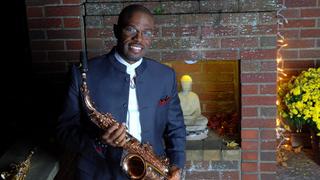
<point>119,134</point>
<point>111,129</point>
<point>106,137</point>
<point>174,173</point>
<point>122,139</point>
<point>115,135</point>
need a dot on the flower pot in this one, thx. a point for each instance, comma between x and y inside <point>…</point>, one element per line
<point>300,139</point>
<point>315,141</point>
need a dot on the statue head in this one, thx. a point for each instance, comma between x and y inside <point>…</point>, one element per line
<point>186,83</point>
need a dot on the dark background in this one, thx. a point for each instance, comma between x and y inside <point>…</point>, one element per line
<point>16,79</point>
<point>29,105</point>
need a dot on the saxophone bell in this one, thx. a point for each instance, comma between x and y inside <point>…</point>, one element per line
<point>135,166</point>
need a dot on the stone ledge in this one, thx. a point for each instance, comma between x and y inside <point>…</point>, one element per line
<point>109,8</point>
<point>213,154</point>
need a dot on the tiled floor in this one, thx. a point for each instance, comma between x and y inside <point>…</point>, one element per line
<point>300,166</point>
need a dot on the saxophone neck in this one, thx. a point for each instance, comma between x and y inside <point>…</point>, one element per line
<point>85,93</point>
<point>27,162</point>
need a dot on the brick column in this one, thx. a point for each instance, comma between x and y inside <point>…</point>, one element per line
<point>302,33</point>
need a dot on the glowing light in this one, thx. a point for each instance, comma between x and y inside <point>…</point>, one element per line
<point>279,60</point>
<point>280,126</point>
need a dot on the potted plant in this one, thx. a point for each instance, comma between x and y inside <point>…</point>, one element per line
<point>300,101</point>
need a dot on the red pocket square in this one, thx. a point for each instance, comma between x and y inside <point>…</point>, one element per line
<point>164,100</point>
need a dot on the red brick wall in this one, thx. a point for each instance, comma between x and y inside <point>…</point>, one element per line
<point>54,29</point>
<point>302,34</point>
<point>207,30</point>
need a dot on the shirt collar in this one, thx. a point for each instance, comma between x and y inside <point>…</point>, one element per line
<point>129,66</point>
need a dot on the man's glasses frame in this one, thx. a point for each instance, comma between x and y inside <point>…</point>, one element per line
<point>132,31</point>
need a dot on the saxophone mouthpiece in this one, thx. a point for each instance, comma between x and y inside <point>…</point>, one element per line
<point>84,61</point>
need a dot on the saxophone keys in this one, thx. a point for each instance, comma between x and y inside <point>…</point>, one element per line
<point>147,146</point>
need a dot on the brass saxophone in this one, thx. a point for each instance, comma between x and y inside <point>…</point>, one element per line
<point>140,161</point>
<point>18,171</point>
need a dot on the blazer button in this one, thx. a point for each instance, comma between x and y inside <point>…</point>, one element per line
<point>125,105</point>
<point>127,79</point>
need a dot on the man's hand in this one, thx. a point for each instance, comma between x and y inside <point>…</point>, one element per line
<point>174,173</point>
<point>115,135</point>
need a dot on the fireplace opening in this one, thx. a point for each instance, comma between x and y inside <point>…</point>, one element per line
<point>217,85</point>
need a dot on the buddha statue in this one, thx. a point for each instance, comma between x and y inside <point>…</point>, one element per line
<point>196,123</point>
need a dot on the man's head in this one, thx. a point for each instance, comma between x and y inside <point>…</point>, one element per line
<point>134,32</point>
<point>186,83</point>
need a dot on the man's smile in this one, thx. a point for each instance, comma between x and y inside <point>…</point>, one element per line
<point>135,48</point>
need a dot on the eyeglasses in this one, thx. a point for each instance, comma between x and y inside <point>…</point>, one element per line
<point>132,31</point>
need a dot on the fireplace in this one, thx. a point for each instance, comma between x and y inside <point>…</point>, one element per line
<point>207,31</point>
<point>229,32</point>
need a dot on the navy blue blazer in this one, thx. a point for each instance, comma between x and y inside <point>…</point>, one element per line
<point>161,118</point>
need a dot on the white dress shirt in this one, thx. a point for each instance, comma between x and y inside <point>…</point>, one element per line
<point>133,120</point>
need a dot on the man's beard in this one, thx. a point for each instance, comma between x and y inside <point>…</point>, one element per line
<point>126,55</point>
<point>133,58</point>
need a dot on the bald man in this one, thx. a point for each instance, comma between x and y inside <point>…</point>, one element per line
<point>140,93</point>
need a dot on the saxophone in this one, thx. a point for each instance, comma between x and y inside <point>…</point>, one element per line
<point>18,171</point>
<point>140,161</point>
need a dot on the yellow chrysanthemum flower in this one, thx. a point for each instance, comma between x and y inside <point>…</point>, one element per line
<point>296,91</point>
<point>300,98</point>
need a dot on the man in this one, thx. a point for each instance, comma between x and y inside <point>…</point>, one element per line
<point>141,95</point>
